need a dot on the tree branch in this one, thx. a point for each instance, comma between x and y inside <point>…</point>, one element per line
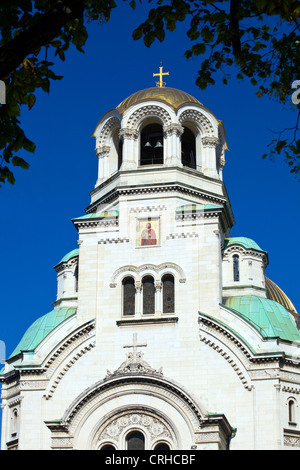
<point>46,28</point>
<point>234,27</point>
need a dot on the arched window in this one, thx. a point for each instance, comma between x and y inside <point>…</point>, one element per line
<point>188,148</point>
<point>148,295</point>
<point>108,447</point>
<point>128,296</point>
<point>291,407</point>
<point>236,268</point>
<point>135,440</point>
<point>162,446</point>
<point>168,293</point>
<point>15,420</point>
<point>152,145</point>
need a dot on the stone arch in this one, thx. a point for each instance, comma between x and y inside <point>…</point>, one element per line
<point>138,271</point>
<point>115,427</point>
<point>171,405</point>
<point>146,113</point>
<point>198,120</point>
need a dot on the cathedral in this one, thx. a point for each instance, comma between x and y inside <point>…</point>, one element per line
<point>166,333</point>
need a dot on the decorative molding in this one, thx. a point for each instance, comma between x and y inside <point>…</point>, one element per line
<point>212,328</point>
<point>103,151</point>
<point>172,236</point>
<point>67,265</point>
<point>153,426</point>
<point>173,129</point>
<point>155,189</point>
<point>110,125</point>
<point>198,117</point>
<point>244,252</point>
<point>291,438</point>
<point>138,270</point>
<point>53,364</point>
<point>105,241</point>
<point>137,210</point>
<point>153,320</point>
<point>131,134</point>
<point>88,223</point>
<point>146,111</point>
<point>208,141</point>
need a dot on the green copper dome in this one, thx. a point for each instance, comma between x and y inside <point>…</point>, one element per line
<point>41,328</point>
<point>270,318</point>
<point>243,241</point>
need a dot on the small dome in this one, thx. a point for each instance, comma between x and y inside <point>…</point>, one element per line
<point>171,96</point>
<point>243,241</point>
<point>41,328</point>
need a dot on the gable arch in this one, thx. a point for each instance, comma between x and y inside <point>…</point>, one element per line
<point>146,114</point>
<point>103,402</point>
<point>152,269</point>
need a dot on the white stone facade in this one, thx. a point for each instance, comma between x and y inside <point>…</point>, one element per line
<point>181,369</point>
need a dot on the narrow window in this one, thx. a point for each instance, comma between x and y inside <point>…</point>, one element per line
<point>120,154</point>
<point>168,294</point>
<point>135,441</point>
<point>152,145</point>
<point>128,296</point>
<point>76,278</point>
<point>291,406</point>
<point>148,295</point>
<point>15,419</point>
<point>236,268</point>
<point>188,148</point>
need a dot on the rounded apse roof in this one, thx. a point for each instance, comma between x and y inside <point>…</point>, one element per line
<point>169,95</point>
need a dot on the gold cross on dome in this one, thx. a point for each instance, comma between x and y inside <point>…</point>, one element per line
<point>160,84</point>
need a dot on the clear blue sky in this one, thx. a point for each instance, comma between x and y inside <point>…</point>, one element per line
<point>36,228</point>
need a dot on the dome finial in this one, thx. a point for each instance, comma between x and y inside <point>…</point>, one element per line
<point>160,84</point>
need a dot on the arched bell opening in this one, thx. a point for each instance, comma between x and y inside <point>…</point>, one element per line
<point>188,148</point>
<point>152,145</point>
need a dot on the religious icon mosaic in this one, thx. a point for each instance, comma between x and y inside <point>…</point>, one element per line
<point>148,232</point>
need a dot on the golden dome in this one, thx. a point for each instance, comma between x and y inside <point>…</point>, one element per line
<point>171,96</point>
<point>275,293</point>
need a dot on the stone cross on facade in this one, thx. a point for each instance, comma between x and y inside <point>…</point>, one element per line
<point>134,346</point>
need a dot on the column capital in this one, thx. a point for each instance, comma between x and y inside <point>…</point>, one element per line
<point>127,133</point>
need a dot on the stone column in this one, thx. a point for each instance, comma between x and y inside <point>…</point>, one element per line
<point>130,153</point>
<point>138,299</point>
<point>103,163</point>
<point>172,134</point>
<point>209,145</point>
<point>158,298</point>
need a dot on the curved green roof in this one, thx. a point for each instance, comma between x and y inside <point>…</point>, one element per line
<point>99,215</point>
<point>41,328</point>
<point>245,242</point>
<point>269,317</point>
<point>69,255</point>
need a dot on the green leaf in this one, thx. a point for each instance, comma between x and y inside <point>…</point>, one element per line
<point>18,161</point>
<point>31,100</point>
